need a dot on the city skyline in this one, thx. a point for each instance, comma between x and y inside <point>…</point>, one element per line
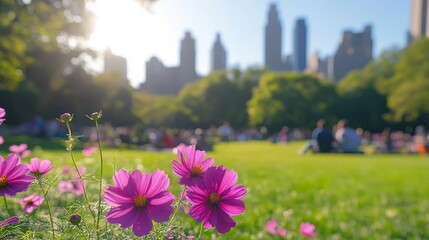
<point>390,29</point>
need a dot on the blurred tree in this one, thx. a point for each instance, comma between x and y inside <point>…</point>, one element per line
<point>157,111</point>
<point>362,102</point>
<point>408,88</point>
<point>27,25</point>
<point>219,97</point>
<point>292,99</point>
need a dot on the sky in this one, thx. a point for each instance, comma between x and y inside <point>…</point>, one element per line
<point>138,33</point>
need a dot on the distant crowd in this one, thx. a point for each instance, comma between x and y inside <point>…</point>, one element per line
<point>323,139</point>
<point>344,139</point>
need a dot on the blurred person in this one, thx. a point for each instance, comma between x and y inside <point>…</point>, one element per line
<point>282,135</point>
<point>386,138</point>
<point>321,139</point>
<point>225,132</point>
<point>347,138</point>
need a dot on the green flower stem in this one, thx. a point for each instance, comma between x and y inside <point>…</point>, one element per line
<point>45,194</point>
<point>82,232</point>
<point>178,207</point>
<point>201,230</point>
<point>78,172</point>
<point>7,207</point>
<point>101,178</point>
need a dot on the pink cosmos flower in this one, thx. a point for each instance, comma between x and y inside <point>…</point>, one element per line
<point>308,229</point>
<point>137,199</point>
<point>88,151</point>
<point>74,186</point>
<point>65,186</point>
<point>13,176</point>
<point>77,187</point>
<point>21,150</point>
<point>281,231</point>
<point>40,167</point>
<point>1,140</point>
<point>191,166</point>
<point>217,199</point>
<point>31,202</point>
<point>66,170</point>
<point>9,221</point>
<point>270,226</point>
<point>2,114</point>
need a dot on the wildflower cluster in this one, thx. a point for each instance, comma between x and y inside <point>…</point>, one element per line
<point>306,229</point>
<point>137,200</point>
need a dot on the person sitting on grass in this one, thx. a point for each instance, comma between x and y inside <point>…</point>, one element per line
<point>348,140</point>
<point>321,139</point>
<point>324,138</point>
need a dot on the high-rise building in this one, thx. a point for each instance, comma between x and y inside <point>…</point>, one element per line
<point>300,45</point>
<point>187,60</point>
<point>419,21</point>
<point>354,52</point>
<point>115,64</point>
<point>218,55</point>
<point>170,80</point>
<point>273,40</point>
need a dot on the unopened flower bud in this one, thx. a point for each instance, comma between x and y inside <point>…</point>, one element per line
<point>96,115</point>
<point>75,219</point>
<point>65,118</point>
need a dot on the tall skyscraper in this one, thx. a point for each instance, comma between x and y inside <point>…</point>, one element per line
<point>115,64</point>
<point>419,21</point>
<point>170,80</point>
<point>187,60</point>
<point>218,55</point>
<point>354,52</point>
<point>273,40</point>
<point>300,45</point>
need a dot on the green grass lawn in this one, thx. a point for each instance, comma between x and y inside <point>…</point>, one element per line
<point>345,196</point>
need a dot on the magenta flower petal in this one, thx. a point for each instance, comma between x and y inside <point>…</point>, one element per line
<point>270,226</point>
<point>11,162</point>
<point>124,215</point>
<point>159,182</point>
<point>216,199</point>
<point>120,178</point>
<point>65,186</point>
<point>308,229</point>
<point>137,199</point>
<point>235,192</point>
<point>143,225</point>
<point>20,150</point>
<point>282,232</point>
<point>2,112</point>
<point>160,213</point>
<point>1,138</point>
<point>13,176</point>
<point>39,167</point>
<point>31,203</point>
<point>116,197</point>
<point>191,166</point>
<point>9,221</point>
<point>233,207</point>
<point>224,222</point>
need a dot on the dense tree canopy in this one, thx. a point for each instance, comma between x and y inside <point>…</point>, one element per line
<point>362,103</point>
<point>292,99</point>
<point>408,88</point>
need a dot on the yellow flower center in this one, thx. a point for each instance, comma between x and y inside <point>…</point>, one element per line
<point>214,198</point>
<point>196,170</point>
<point>140,201</point>
<point>3,181</point>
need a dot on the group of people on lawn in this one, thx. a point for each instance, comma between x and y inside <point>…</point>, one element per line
<point>324,140</point>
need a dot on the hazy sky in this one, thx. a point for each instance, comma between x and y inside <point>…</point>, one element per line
<point>138,34</point>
